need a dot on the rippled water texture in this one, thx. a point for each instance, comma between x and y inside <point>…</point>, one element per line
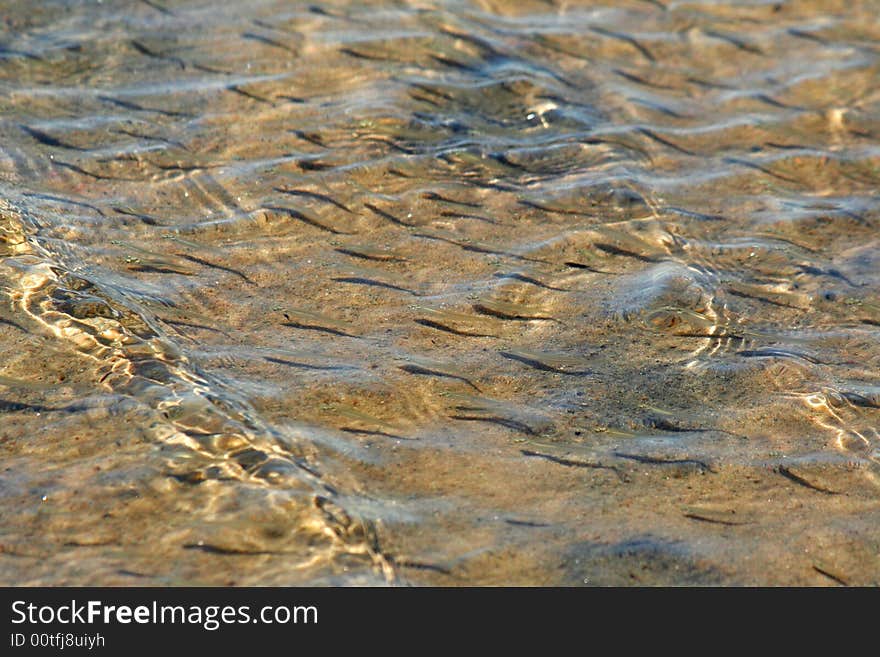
<point>466,292</point>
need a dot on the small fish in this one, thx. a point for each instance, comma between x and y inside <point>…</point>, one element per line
<point>311,137</point>
<point>831,273</point>
<point>704,327</point>
<point>144,50</point>
<point>640,80</point>
<point>195,325</point>
<point>125,104</point>
<point>664,141</point>
<point>387,215</point>
<point>758,167</point>
<point>585,267</point>
<point>359,55</point>
<point>149,261</point>
<point>352,413</point>
<point>622,433</point>
<point>716,516</point>
<point>399,281</point>
<point>806,479</point>
<point>452,63</point>
<point>234,88</point>
<point>470,245</point>
<point>477,408</point>
<point>190,243</point>
<point>453,321</point>
<point>49,140</point>
<point>432,91</point>
<point>426,367</point>
<point>760,293</point>
<point>158,7</point>
<point>61,199</point>
<point>90,174</point>
<point>543,207</point>
<point>373,282</point>
<point>19,53</point>
<point>532,281</point>
<point>656,409</point>
<point>825,571</point>
<point>174,315</point>
<point>163,140</point>
<point>856,399</point>
<point>525,523</point>
<point>505,310</point>
<point>466,402</point>
<point>451,329</point>
<point>434,196</point>
<point>659,460</point>
<point>296,214</point>
<point>806,35</point>
<point>449,315</point>
<point>269,42</point>
<point>571,462</point>
<point>9,406</point>
<point>626,39</point>
<point>562,449</point>
<point>671,316</point>
<point>735,41</point>
<point>662,424</point>
<point>314,195</point>
<point>131,212</point>
<point>214,265</point>
<point>464,215</point>
<point>308,319</point>
<point>186,167</point>
<point>777,353</point>
<point>547,360</point>
<point>506,422</point>
<point>371,253</point>
<point>570,455</point>
<point>306,366</point>
<point>616,250</point>
<point>696,215</point>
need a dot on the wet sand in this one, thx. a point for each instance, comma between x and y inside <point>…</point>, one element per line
<point>466,293</point>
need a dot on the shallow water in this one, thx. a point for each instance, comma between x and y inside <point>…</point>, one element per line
<point>462,292</point>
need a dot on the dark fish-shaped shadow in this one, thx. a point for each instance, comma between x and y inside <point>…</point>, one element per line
<point>448,329</point>
<point>361,280</point>
<point>546,362</point>
<point>305,319</point>
<point>411,368</point>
